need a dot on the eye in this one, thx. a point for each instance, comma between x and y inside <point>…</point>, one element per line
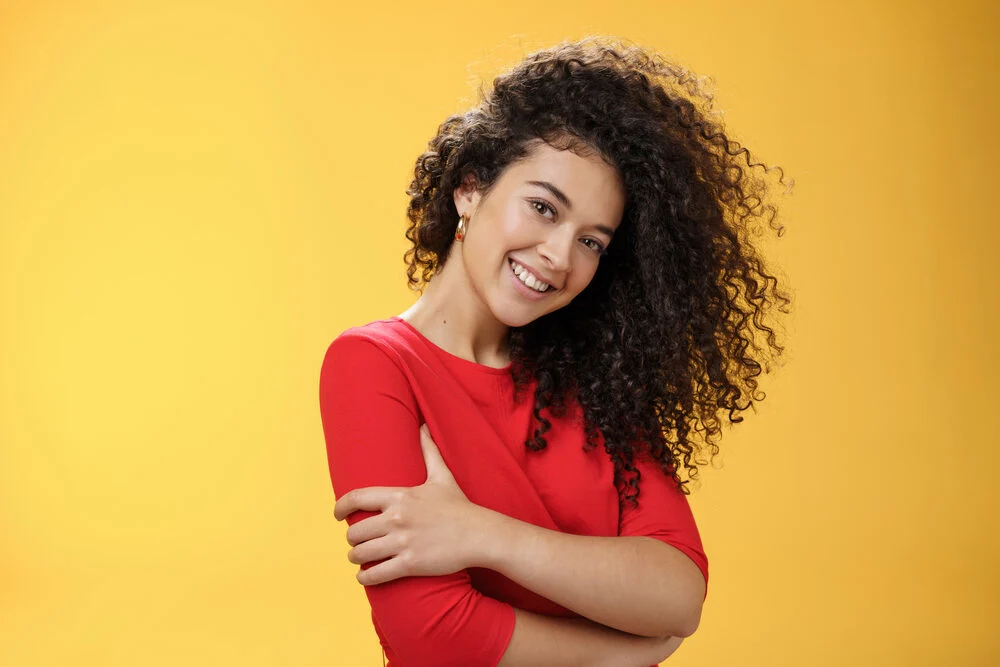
<point>542,208</point>
<point>596,246</point>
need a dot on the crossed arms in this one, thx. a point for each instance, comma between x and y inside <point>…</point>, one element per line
<point>639,597</point>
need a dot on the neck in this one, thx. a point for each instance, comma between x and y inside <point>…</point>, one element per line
<point>454,317</point>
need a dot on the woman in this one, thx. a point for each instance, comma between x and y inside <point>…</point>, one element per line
<point>512,453</point>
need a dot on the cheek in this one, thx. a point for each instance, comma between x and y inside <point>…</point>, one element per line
<point>587,270</point>
<point>514,223</point>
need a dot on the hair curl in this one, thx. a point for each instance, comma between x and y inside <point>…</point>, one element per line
<point>671,332</point>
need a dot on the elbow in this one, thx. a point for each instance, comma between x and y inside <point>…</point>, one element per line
<point>689,623</point>
<point>685,623</point>
<point>681,595</point>
<point>428,658</point>
<point>685,615</point>
<point>686,629</point>
<point>430,652</point>
<point>437,649</point>
<point>438,621</point>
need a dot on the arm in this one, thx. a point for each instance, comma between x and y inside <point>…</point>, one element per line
<point>371,427</point>
<point>365,399</point>
<point>640,582</point>
<point>548,641</point>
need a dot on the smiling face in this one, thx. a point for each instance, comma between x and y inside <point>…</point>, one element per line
<point>534,241</point>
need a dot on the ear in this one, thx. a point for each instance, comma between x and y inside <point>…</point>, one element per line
<point>466,195</point>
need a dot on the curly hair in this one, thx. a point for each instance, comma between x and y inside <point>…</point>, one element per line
<point>671,333</point>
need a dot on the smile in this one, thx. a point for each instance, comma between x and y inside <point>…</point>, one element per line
<point>529,280</point>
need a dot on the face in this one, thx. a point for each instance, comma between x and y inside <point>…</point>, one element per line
<point>533,243</point>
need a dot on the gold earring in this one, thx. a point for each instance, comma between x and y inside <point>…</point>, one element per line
<point>463,222</point>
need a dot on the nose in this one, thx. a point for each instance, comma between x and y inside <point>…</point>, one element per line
<point>557,249</point>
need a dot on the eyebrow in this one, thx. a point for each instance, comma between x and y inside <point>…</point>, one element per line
<point>561,196</point>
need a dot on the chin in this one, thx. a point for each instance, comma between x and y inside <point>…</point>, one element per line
<point>515,322</point>
<point>520,319</point>
<point>513,317</point>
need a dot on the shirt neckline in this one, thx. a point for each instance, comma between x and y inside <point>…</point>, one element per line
<point>471,365</point>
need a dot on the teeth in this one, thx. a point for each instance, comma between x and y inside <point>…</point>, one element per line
<point>525,277</point>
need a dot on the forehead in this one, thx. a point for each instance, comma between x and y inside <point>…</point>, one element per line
<point>593,186</point>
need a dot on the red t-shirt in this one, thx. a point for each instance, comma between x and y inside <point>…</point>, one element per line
<point>378,384</point>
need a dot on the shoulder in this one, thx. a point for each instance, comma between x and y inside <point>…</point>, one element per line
<point>367,359</point>
<point>388,347</point>
<point>381,338</point>
<point>369,352</point>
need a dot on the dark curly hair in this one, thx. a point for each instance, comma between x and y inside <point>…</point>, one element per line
<point>671,332</point>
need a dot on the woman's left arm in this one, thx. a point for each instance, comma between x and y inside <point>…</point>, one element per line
<point>635,584</point>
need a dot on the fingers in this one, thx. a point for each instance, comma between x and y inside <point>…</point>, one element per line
<point>368,529</point>
<point>369,498</point>
<point>431,454</point>
<point>373,550</point>
<point>381,573</point>
<point>436,467</point>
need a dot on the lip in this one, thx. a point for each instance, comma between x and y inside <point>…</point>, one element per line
<point>526,291</point>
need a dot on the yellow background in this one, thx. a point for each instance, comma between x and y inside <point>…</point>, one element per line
<point>197,197</point>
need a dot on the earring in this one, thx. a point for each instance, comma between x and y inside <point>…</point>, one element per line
<point>463,222</point>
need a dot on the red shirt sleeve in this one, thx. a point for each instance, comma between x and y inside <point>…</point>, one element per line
<point>371,424</point>
<point>663,513</point>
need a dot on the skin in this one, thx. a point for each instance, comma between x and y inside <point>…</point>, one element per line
<point>468,307</point>
<point>638,587</point>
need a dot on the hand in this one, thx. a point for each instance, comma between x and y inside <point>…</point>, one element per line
<point>422,530</point>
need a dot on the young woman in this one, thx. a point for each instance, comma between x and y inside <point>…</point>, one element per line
<point>512,453</point>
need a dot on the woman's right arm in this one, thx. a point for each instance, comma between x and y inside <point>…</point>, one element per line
<point>549,641</point>
<point>371,423</point>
